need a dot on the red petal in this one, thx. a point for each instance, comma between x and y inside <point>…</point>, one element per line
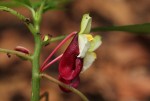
<point>70,66</point>
<point>71,74</point>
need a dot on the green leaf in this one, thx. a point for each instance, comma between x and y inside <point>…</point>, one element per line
<point>36,4</point>
<point>137,28</point>
<point>24,2</point>
<point>55,4</point>
<point>9,4</point>
<point>50,5</point>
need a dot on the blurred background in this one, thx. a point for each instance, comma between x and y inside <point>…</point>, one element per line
<point>121,71</point>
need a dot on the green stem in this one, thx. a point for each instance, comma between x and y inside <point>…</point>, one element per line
<point>23,55</point>
<point>141,29</point>
<point>54,39</point>
<point>35,30</point>
<point>84,98</point>
<point>38,15</point>
<point>6,9</point>
<point>19,16</point>
<point>57,38</point>
<point>35,70</point>
<point>36,56</point>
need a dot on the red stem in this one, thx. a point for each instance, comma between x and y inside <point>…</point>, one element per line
<point>50,63</point>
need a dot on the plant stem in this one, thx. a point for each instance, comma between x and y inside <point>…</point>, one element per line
<point>19,16</point>
<point>57,38</point>
<point>54,39</point>
<point>37,15</point>
<point>84,98</point>
<point>35,70</point>
<point>23,55</point>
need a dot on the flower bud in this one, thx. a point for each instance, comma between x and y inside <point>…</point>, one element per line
<point>22,49</point>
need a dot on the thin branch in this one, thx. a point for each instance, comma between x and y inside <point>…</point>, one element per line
<point>58,38</point>
<point>84,98</point>
<point>54,39</point>
<point>25,56</point>
<point>140,29</point>
<point>19,16</point>
<point>45,95</point>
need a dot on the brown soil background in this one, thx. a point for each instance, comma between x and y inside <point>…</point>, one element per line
<point>121,71</point>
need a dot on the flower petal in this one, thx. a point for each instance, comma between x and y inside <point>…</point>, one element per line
<point>70,65</point>
<point>88,60</point>
<point>85,24</point>
<point>84,45</point>
<point>69,73</point>
<point>95,43</point>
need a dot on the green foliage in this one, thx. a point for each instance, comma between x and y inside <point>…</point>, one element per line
<point>35,4</point>
<point>25,2</point>
<point>54,4</point>
<point>16,3</point>
<point>136,28</point>
<point>51,5</point>
<point>9,4</point>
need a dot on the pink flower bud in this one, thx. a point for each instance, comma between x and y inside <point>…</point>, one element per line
<point>22,49</point>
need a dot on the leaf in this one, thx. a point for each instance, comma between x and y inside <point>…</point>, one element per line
<point>136,28</point>
<point>24,2</point>
<point>36,4</point>
<point>55,4</point>
<point>9,4</point>
<point>50,5</point>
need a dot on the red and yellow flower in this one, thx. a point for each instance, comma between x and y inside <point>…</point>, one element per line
<point>78,56</point>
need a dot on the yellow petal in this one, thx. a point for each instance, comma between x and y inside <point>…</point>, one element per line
<point>89,37</point>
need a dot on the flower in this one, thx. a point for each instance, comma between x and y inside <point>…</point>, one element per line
<point>79,55</point>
